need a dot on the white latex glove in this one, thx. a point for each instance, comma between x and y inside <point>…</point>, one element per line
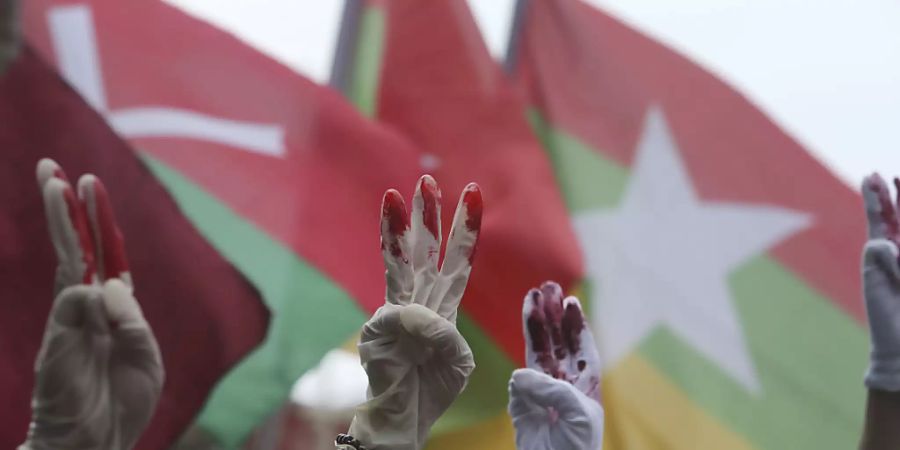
<point>555,401</point>
<point>881,285</point>
<point>416,360</point>
<point>99,372</point>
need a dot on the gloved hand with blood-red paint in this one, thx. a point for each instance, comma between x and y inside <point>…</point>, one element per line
<point>555,401</point>
<point>881,285</point>
<point>98,373</point>
<point>416,360</point>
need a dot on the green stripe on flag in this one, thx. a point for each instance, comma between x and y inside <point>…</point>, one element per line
<point>585,180</point>
<point>310,314</point>
<point>367,61</point>
<point>810,358</point>
<point>809,355</point>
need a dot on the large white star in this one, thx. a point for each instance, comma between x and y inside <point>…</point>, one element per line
<point>663,258</point>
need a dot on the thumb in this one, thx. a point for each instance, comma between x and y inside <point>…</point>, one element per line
<point>439,334</point>
<point>881,255</point>
<point>530,387</point>
<point>122,309</point>
<point>79,306</point>
<point>535,398</point>
<point>77,313</point>
<point>134,342</point>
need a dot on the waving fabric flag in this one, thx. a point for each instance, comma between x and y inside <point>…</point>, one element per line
<point>422,69</point>
<point>283,176</point>
<point>722,259</point>
<point>205,315</point>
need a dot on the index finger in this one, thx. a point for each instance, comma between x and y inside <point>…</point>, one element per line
<point>880,211</point>
<point>460,252</point>
<point>110,245</point>
<point>69,234</point>
<point>425,238</point>
<point>538,345</point>
<point>394,248</point>
<point>583,363</point>
<point>47,169</point>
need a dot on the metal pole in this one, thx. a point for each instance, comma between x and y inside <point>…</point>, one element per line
<point>345,50</point>
<point>515,31</point>
<point>10,32</point>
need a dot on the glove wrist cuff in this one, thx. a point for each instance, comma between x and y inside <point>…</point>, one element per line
<point>387,437</point>
<point>348,442</point>
<point>884,373</point>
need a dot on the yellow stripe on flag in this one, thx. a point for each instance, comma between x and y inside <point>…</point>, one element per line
<point>494,434</point>
<point>644,410</point>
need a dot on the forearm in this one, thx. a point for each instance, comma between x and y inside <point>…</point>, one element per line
<point>882,425</point>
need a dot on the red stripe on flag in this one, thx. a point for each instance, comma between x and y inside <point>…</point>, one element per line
<point>594,77</point>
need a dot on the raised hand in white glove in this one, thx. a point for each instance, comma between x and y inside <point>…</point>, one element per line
<point>881,284</point>
<point>99,372</point>
<point>416,360</point>
<point>555,401</point>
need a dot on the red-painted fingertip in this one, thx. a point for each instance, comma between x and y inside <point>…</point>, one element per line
<point>393,210</point>
<point>553,290</point>
<point>431,196</point>
<point>553,310</point>
<point>78,217</point>
<point>536,326</point>
<point>572,301</point>
<point>553,295</point>
<point>532,302</point>
<point>47,169</point>
<point>873,182</point>
<point>474,206</point>
<point>888,214</point>
<point>876,183</point>
<point>112,243</point>
<point>897,188</point>
<point>572,324</point>
<point>395,221</point>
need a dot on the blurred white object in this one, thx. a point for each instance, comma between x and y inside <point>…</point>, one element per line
<point>336,385</point>
<point>326,397</point>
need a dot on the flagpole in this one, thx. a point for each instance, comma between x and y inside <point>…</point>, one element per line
<point>9,32</point>
<point>515,31</point>
<point>345,50</point>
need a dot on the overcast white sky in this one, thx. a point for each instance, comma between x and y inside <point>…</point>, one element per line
<point>828,71</point>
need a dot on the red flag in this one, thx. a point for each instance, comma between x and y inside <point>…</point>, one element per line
<point>439,86</point>
<point>204,313</point>
<point>271,144</point>
<point>282,175</point>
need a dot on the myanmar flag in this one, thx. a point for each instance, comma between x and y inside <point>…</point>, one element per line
<point>205,315</point>
<point>722,260</point>
<point>281,175</point>
<point>422,69</point>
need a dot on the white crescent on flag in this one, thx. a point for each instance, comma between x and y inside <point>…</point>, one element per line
<point>72,33</point>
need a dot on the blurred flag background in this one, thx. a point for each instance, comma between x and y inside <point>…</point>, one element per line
<point>687,168</point>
